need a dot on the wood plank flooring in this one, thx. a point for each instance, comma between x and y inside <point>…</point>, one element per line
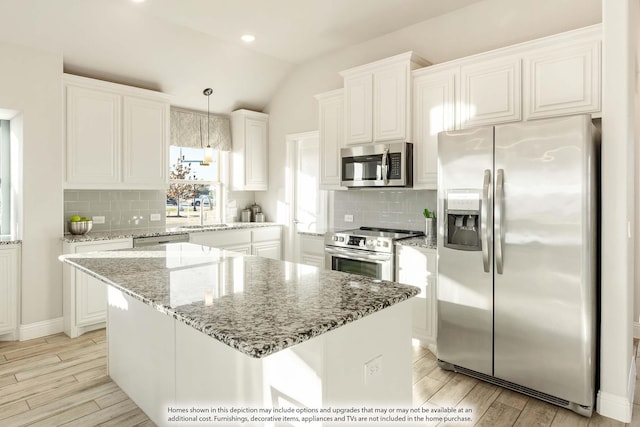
<point>58,381</point>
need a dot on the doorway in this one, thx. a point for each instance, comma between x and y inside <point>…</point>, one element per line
<point>308,205</point>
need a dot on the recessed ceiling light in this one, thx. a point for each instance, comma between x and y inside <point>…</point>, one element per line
<point>248,38</point>
<point>138,1</point>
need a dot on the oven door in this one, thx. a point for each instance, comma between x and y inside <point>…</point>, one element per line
<point>365,263</point>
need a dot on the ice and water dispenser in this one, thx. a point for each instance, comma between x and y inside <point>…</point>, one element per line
<point>462,216</point>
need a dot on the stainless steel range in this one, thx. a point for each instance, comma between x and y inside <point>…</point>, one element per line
<point>367,251</point>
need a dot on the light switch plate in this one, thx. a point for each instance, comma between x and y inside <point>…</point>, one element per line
<point>98,219</point>
<point>154,217</point>
<point>348,218</point>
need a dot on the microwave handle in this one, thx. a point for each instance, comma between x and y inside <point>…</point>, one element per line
<point>385,166</point>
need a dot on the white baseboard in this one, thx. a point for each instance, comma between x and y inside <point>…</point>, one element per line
<point>636,330</point>
<point>615,406</point>
<point>41,329</point>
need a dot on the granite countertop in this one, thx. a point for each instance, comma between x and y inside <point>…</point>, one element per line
<point>418,242</point>
<point>259,305</point>
<point>7,239</point>
<point>97,235</point>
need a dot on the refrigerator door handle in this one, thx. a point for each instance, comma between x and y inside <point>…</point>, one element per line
<point>484,230</point>
<point>499,220</point>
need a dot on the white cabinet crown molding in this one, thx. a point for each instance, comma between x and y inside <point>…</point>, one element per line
<point>114,87</point>
<point>412,57</point>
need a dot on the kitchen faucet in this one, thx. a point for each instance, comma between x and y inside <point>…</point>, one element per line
<point>202,203</point>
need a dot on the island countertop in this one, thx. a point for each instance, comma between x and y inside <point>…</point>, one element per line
<point>256,305</point>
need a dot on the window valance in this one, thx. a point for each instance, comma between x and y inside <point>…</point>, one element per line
<point>189,129</point>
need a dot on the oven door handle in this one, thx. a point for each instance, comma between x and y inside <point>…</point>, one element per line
<point>349,254</point>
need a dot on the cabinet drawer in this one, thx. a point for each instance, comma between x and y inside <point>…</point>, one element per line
<point>221,238</point>
<point>266,234</point>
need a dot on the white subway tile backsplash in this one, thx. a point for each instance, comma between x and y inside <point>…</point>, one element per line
<point>387,208</point>
<point>124,211</point>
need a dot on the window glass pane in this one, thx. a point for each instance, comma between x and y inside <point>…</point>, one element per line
<point>193,197</point>
<point>193,157</point>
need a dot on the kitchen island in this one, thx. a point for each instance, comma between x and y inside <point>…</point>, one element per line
<point>191,326</point>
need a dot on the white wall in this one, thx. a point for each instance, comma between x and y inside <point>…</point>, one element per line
<point>31,83</point>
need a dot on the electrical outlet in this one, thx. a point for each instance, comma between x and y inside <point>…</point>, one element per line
<point>98,219</point>
<point>348,218</point>
<point>373,370</point>
<point>154,217</point>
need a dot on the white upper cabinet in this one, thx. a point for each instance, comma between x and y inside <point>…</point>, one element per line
<point>563,80</point>
<point>93,137</point>
<point>434,110</point>
<point>331,125</point>
<point>490,92</point>
<point>377,99</point>
<point>249,133</point>
<point>145,123</point>
<point>116,136</point>
<point>560,75</point>
<point>358,104</point>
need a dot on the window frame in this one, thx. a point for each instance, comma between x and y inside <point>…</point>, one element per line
<point>215,189</point>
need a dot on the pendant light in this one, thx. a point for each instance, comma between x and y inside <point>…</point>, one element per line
<point>208,151</point>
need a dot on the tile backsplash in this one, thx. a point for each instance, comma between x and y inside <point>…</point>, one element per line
<point>388,208</point>
<point>124,210</point>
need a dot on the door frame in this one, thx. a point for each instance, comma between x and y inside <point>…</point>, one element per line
<point>292,246</point>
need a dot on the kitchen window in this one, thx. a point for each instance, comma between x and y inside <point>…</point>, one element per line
<point>194,187</point>
<point>5,178</point>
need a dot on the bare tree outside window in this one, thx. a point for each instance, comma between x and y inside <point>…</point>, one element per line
<point>181,191</point>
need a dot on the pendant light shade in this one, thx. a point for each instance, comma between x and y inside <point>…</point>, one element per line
<point>208,151</point>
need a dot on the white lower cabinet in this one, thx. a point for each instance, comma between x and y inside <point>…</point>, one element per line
<point>267,242</point>
<point>311,250</point>
<point>262,241</point>
<point>417,266</point>
<point>9,285</point>
<point>85,298</point>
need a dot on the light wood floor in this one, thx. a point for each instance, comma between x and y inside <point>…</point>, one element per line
<point>58,381</point>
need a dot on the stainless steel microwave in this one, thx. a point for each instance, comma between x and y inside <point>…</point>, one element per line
<point>377,165</point>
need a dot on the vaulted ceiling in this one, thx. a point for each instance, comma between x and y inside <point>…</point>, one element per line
<point>181,47</point>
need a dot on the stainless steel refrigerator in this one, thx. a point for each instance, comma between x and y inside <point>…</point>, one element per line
<point>517,254</point>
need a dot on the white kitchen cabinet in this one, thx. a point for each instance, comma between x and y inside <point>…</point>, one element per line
<point>434,111</point>
<point>267,242</point>
<point>9,286</point>
<point>331,126</point>
<point>358,106</point>
<point>311,250</point>
<point>267,249</point>
<point>93,137</point>
<point>417,266</point>
<point>145,133</point>
<point>249,165</point>
<point>260,241</point>
<point>237,240</point>
<point>85,297</point>
<point>562,80</point>
<point>377,99</point>
<point>116,136</point>
<point>490,91</point>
